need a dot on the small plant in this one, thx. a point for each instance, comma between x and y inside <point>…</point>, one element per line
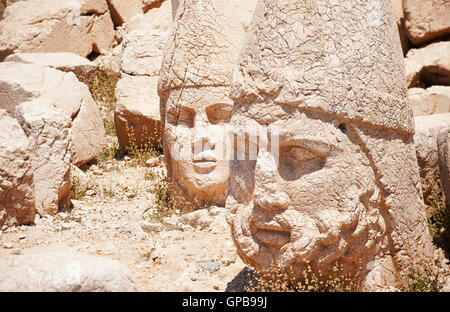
<point>438,219</point>
<point>277,279</point>
<point>143,145</point>
<point>167,203</point>
<point>140,154</point>
<point>149,175</point>
<point>109,192</point>
<point>77,189</point>
<point>111,152</point>
<point>148,255</point>
<point>421,281</point>
<point>103,87</point>
<point>108,123</point>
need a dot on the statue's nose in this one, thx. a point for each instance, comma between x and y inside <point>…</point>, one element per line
<point>268,194</point>
<point>202,138</point>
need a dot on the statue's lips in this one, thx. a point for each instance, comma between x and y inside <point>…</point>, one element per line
<point>204,164</point>
<point>272,233</point>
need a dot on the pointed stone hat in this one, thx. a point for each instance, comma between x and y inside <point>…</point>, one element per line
<point>338,57</point>
<point>202,48</point>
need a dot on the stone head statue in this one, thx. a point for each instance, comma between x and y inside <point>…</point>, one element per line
<point>335,177</point>
<point>194,91</point>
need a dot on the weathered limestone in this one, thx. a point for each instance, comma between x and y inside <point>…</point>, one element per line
<point>77,26</point>
<point>433,100</point>
<point>174,8</point>
<point>429,65</point>
<point>333,176</point>
<point>123,11</point>
<point>16,174</point>
<point>142,52</point>
<point>137,117</point>
<point>64,272</point>
<point>21,82</point>
<point>158,18</point>
<point>426,141</point>
<point>136,114</point>
<point>47,129</point>
<point>2,9</point>
<point>195,107</point>
<point>426,20</point>
<point>84,69</point>
<point>400,16</point>
<point>444,160</point>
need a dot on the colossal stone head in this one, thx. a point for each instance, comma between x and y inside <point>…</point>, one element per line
<point>194,90</point>
<point>335,177</point>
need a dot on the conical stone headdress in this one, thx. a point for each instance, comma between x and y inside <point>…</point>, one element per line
<point>338,57</point>
<point>203,46</point>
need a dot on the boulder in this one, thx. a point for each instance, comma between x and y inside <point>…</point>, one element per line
<point>400,16</point>
<point>77,26</point>
<point>122,11</point>
<point>433,100</point>
<point>429,65</point>
<point>444,160</point>
<point>21,82</point>
<point>64,272</point>
<point>213,219</point>
<point>84,69</point>
<point>426,141</point>
<point>426,20</point>
<point>16,174</point>
<point>147,5</point>
<point>136,116</point>
<point>143,51</point>
<point>47,128</point>
<point>110,62</point>
<point>156,19</point>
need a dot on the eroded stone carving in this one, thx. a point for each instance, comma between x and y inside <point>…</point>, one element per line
<point>327,78</point>
<point>194,91</point>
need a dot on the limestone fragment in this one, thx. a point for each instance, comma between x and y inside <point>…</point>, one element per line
<point>21,82</point>
<point>16,174</point>
<point>78,26</point>
<point>430,101</point>
<point>48,131</point>
<point>84,69</point>
<point>64,272</point>
<point>426,20</point>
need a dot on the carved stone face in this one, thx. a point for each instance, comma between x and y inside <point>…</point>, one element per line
<point>195,136</point>
<point>318,204</point>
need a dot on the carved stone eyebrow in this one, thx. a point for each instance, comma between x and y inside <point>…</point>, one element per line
<point>315,145</point>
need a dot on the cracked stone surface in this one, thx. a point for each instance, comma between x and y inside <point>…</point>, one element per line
<point>194,86</point>
<point>343,184</point>
<point>16,174</point>
<point>426,20</point>
<point>79,26</point>
<point>21,82</point>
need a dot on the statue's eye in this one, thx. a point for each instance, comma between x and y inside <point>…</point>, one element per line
<point>181,116</point>
<point>296,161</point>
<point>219,113</point>
<point>186,117</point>
<point>298,154</point>
<point>172,115</point>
